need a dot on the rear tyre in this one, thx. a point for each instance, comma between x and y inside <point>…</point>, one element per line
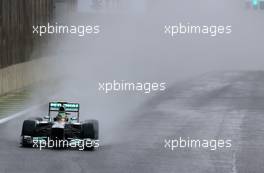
<point>28,131</point>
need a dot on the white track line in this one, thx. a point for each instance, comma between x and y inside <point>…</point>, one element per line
<point>8,118</point>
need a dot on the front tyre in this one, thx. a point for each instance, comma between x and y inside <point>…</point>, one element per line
<point>90,130</point>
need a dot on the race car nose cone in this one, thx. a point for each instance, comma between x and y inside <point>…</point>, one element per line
<point>58,125</point>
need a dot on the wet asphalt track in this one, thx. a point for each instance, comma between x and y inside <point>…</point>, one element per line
<point>215,106</point>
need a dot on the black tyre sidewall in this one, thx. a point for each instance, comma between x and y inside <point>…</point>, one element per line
<point>28,129</point>
<point>92,126</point>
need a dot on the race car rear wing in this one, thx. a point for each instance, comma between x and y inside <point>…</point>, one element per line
<point>69,107</point>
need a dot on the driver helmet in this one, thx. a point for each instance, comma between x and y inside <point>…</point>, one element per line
<point>62,114</point>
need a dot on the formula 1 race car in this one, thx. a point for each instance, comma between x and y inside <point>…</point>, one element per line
<point>60,130</point>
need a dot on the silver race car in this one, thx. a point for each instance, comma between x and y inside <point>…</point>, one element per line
<point>60,129</point>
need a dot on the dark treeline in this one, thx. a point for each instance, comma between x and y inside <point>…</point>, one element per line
<point>16,20</point>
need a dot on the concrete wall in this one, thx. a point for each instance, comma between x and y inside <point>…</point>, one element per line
<point>18,44</point>
<point>21,75</point>
<point>17,40</point>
